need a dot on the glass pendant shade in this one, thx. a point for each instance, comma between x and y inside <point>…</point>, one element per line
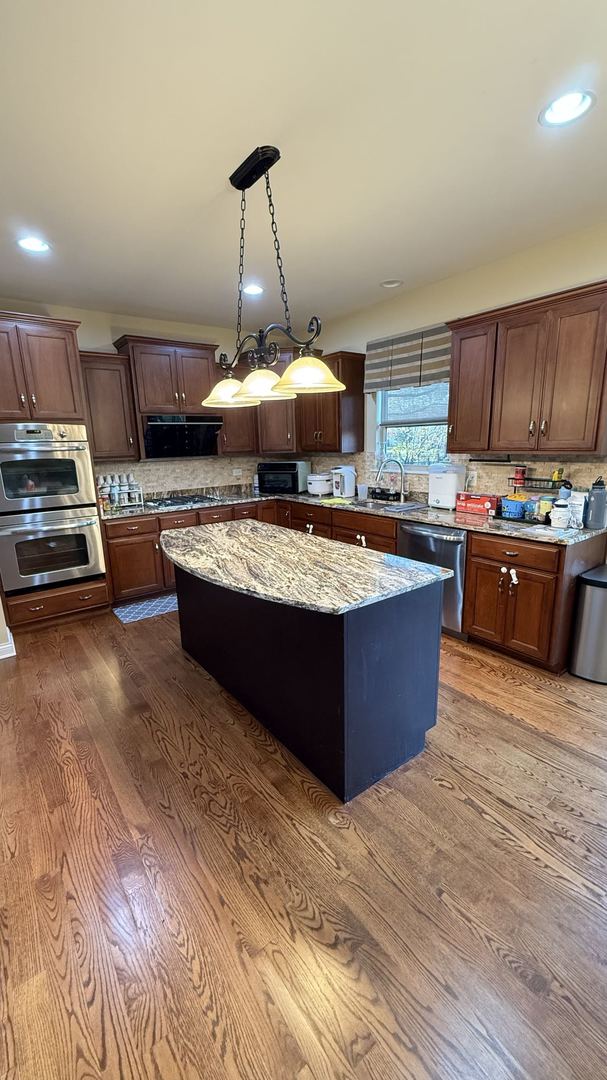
<point>260,385</point>
<point>223,394</point>
<point>309,375</point>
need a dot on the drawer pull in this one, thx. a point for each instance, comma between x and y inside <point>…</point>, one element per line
<point>132,528</point>
<point>86,596</point>
<point>40,607</point>
<point>178,521</point>
<point>512,554</point>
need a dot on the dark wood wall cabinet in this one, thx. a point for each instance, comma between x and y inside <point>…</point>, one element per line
<point>108,393</point>
<point>170,376</point>
<point>530,378</point>
<point>39,369</point>
<point>335,423</point>
<point>520,595</point>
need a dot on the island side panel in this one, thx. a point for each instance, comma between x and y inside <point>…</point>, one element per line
<point>284,664</point>
<point>392,653</point>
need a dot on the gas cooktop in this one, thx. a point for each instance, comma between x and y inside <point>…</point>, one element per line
<point>181,502</point>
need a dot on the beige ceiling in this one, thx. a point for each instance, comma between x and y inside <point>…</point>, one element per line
<point>408,132</point>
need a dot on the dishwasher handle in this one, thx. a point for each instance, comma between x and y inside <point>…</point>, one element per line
<point>453,538</point>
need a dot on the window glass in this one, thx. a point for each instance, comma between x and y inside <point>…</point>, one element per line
<point>412,423</point>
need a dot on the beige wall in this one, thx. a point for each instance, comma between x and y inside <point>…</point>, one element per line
<point>571,260</point>
<point>98,329</point>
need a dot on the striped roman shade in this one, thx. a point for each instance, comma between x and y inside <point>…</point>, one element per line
<point>412,359</point>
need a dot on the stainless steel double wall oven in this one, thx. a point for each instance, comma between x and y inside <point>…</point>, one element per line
<point>49,524</point>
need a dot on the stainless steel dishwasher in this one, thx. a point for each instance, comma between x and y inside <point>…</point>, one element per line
<point>439,545</point>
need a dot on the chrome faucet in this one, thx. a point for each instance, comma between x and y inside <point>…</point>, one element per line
<point>393,461</point>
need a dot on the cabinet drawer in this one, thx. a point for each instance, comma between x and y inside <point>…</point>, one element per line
<point>130,527</point>
<point>364,523</point>
<point>320,515</point>
<point>178,521</point>
<point>312,528</point>
<point>514,552</point>
<point>248,510</point>
<point>223,513</point>
<point>365,540</point>
<point>32,608</point>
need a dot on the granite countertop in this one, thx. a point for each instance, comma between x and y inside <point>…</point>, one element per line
<point>426,515</point>
<point>292,568</point>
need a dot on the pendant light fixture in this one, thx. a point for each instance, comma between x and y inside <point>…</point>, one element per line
<point>307,374</point>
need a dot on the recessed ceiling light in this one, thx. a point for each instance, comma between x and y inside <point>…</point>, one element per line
<point>34,244</point>
<point>253,290</point>
<point>391,283</point>
<point>568,107</point>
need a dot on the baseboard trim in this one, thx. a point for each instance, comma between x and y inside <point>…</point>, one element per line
<point>8,649</point>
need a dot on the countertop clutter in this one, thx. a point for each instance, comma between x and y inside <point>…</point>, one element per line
<point>292,568</point>
<point>427,515</point>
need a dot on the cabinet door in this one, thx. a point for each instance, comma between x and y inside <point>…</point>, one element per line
<point>328,407</point>
<point>14,404</point>
<point>238,434</point>
<point>277,432</point>
<point>529,611</point>
<point>196,373</point>
<point>157,383</point>
<point>52,371</point>
<point>519,371</point>
<point>136,566</point>
<point>268,512</point>
<point>471,387</point>
<point>575,370</point>
<point>485,600</point>
<point>308,425</point>
<point>111,414</point>
<point>283,514</point>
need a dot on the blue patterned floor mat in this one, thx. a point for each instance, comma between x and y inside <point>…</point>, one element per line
<point>146,609</point>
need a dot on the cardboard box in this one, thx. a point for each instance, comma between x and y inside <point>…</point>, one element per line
<point>469,503</point>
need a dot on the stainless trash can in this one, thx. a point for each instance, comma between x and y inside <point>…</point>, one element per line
<point>589,656</point>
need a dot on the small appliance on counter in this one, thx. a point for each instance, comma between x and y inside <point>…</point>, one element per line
<point>320,483</point>
<point>444,482</point>
<point>596,511</point>
<point>344,481</point>
<point>560,514</point>
<point>283,477</point>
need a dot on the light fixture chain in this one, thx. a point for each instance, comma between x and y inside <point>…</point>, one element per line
<point>281,275</point>
<point>243,210</point>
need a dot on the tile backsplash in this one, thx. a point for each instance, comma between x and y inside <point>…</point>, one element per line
<point>186,474</point>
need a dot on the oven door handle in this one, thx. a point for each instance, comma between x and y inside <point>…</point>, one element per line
<point>42,449</point>
<point>33,529</point>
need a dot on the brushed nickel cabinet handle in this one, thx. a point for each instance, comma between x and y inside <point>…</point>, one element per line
<point>450,429</point>
<point>288,436</point>
<point>512,554</point>
<point>532,429</point>
<point>320,436</point>
<point>157,546</point>
<point>86,596</point>
<point>544,428</point>
<point>132,528</point>
<point>363,541</point>
<point>40,607</point>
<point>34,402</point>
<point>22,400</point>
<point>130,440</point>
<point>183,397</point>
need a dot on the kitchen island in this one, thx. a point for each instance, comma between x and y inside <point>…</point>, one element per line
<point>334,649</point>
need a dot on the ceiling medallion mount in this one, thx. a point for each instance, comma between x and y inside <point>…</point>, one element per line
<point>305,375</point>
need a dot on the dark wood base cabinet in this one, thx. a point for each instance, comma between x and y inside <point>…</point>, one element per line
<point>520,595</point>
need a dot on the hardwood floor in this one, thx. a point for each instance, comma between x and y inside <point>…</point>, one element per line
<point>180,899</point>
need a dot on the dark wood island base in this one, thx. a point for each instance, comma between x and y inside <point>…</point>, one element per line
<point>351,695</point>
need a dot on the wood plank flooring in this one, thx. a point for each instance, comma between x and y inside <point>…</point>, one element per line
<point>179,898</point>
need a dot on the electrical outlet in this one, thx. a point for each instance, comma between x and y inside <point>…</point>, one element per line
<point>237,473</point>
<point>471,479</point>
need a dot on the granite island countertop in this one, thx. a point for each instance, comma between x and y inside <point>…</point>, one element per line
<point>288,567</point>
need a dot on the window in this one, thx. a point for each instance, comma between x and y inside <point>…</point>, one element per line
<point>412,423</point>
